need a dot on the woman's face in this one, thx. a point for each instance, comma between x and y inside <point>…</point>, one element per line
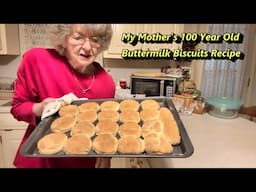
<point>81,48</point>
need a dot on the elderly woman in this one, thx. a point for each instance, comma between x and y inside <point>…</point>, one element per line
<point>47,74</point>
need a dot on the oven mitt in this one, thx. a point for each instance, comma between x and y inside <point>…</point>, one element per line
<point>52,107</point>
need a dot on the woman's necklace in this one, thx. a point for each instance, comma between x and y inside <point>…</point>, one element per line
<point>84,90</point>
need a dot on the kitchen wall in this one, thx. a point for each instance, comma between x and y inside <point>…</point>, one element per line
<point>122,69</point>
<point>36,35</point>
<point>8,65</point>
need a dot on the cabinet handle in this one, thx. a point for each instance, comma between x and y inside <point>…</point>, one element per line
<point>8,129</point>
<point>1,139</point>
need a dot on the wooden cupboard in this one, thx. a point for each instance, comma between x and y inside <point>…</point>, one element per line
<point>11,133</point>
<point>9,39</point>
<point>118,44</point>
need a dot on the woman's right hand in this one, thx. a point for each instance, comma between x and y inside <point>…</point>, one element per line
<point>39,107</point>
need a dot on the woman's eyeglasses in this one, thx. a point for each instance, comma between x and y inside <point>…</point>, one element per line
<point>79,39</point>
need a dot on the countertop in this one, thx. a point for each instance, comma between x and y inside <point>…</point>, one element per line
<point>218,143</point>
<point>7,120</point>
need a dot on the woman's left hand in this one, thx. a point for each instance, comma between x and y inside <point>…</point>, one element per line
<point>103,162</point>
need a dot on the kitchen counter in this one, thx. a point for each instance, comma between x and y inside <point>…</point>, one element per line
<point>218,143</point>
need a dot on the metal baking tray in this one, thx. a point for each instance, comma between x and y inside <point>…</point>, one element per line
<point>182,150</point>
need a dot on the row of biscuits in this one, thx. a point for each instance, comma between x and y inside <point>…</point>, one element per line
<point>102,144</point>
<point>127,104</point>
<point>87,128</point>
<point>127,115</point>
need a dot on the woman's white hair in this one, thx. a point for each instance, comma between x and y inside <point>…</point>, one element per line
<point>60,31</point>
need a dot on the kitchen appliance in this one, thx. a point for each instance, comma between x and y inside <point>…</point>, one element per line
<point>154,86</point>
<point>223,107</point>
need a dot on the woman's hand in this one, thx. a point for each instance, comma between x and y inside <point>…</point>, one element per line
<point>103,162</point>
<point>39,107</point>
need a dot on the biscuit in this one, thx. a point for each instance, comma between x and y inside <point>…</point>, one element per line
<point>149,127</point>
<point>130,129</point>
<point>129,104</point>
<point>157,144</point>
<point>90,116</point>
<point>150,104</point>
<point>105,144</point>
<point>149,114</point>
<point>51,143</point>
<point>83,128</point>
<point>170,128</point>
<point>63,124</point>
<point>130,115</point>
<point>69,110</point>
<point>109,105</point>
<point>77,144</point>
<point>130,145</point>
<point>89,106</point>
<point>107,127</point>
<point>108,115</point>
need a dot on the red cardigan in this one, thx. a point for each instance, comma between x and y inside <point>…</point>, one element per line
<point>44,73</point>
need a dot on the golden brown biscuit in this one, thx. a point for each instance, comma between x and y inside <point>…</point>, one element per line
<point>171,130</point>
<point>149,127</point>
<point>107,127</point>
<point>109,105</point>
<point>129,115</point>
<point>69,110</point>
<point>158,144</point>
<point>77,144</point>
<point>90,116</point>
<point>51,143</point>
<point>63,124</point>
<point>108,115</point>
<point>83,128</point>
<point>105,144</point>
<point>150,104</point>
<point>89,106</point>
<point>130,129</point>
<point>149,114</point>
<point>129,104</point>
<point>130,145</point>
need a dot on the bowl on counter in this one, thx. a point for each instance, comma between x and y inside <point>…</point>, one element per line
<point>223,107</point>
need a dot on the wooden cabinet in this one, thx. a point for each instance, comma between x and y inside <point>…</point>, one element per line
<point>117,44</point>
<point>11,133</point>
<point>1,151</point>
<point>130,163</point>
<point>11,139</point>
<point>165,29</point>
<point>9,39</point>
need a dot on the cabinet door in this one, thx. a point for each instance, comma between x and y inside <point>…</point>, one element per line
<point>10,143</point>
<point>1,151</point>
<point>116,45</point>
<point>1,46</point>
<point>9,39</point>
<point>164,29</point>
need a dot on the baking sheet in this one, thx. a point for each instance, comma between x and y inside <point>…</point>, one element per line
<point>182,150</point>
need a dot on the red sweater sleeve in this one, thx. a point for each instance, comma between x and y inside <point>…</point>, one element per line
<point>24,98</point>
